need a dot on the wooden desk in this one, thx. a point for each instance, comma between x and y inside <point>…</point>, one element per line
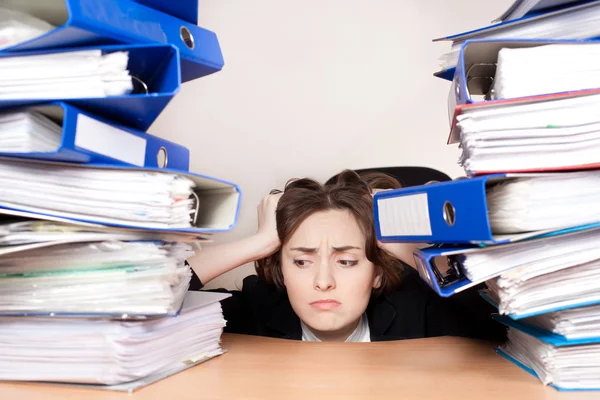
<point>261,368</point>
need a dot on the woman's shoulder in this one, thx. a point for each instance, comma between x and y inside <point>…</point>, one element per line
<point>411,285</point>
<point>262,295</point>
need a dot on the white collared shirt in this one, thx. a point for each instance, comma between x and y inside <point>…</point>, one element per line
<point>362,333</point>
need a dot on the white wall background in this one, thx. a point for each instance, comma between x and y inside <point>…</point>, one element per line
<point>311,87</point>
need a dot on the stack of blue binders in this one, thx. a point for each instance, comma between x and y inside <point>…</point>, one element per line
<point>105,137</point>
<point>542,276</point>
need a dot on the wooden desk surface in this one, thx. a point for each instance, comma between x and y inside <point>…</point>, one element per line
<point>262,368</point>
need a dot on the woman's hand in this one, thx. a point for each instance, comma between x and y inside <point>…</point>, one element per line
<point>267,224</point>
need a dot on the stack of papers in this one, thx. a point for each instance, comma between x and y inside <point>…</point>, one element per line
<point>533,257</point>
<point>28,132</point>
<point>65,75</point>
<point>550,134</point>
<point>552,68</point>
<point>107,196</point>
<point>540,276</point>
<point>128,354</point>
<point>575,323</point>
<point>580,22</point>
<point>17,27</point>
<point>99,278</point>
<point>565,367</point>
<point>544,202</point>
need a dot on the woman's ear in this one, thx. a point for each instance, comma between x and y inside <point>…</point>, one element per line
<point>377,279</point>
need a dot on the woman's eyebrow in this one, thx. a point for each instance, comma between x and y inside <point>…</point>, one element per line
<point>345,248</point>
<point>305,249</point>
<point>339,249</point>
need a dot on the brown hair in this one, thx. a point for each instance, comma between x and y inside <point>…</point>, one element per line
<point>351,192</point>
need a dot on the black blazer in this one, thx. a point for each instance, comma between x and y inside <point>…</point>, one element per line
<point>413,310</point>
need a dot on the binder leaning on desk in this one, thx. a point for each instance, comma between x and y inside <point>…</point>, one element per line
<point>59,131</point>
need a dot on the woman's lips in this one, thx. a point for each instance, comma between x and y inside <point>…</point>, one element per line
<point>326,304</point>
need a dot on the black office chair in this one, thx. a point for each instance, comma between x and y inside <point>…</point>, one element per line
<point>408,176</point>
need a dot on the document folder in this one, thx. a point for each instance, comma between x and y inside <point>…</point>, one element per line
<point>87,138</point>
<point>443,268</point>
<point>563,366</point>
<point>541,334</point>
<point>484,210</point>
<point>525,8</point>
<point>155,70</point>
<point>215,202</point>
<point>476,67</point>
<point>93,22</point>
<point>577,22</point>
<point>519,270</point>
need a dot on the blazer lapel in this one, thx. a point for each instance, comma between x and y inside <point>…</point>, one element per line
<point>381,314</point>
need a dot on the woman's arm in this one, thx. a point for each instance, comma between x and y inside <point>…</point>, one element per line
<point>214,261</point>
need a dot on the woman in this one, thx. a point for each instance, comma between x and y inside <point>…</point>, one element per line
<point>322,276</point>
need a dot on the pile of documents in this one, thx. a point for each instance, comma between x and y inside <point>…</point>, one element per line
<point>524,226</point>
<point>121,354</point>
<point>97,217</point>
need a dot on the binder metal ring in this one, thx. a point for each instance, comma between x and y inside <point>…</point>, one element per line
<point>186,37</point>
<point>140,85</point>
<point>162,157</point>
<point>196,209</point>
<point>449,213</point>
<point>457,89</point>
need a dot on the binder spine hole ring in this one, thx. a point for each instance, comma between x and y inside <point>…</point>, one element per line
<point>162,157</point>
<point>457,89</point>
<point>449,213</point>
<point>186,37</point>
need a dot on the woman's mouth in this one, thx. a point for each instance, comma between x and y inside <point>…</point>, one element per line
<point>325,305</point>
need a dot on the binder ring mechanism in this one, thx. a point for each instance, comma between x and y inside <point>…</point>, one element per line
<point>186,37</point>
<point>449,213</point>
<point>162,157</point>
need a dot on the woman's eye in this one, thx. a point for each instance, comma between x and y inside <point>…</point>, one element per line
<point>348,263</point>
<point>301,263</point>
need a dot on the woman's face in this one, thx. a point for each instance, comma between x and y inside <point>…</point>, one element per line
<point>327,274</point>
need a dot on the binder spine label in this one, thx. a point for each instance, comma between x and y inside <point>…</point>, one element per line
<point>101,138</point>
<point>404,215</point>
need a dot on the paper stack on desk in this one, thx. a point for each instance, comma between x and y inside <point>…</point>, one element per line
<point>121,354</point>
<point>569,367</point>
<point>98,217</point>
<point>525,221</point>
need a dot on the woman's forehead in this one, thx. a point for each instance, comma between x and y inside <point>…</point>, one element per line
<point>336,227</point>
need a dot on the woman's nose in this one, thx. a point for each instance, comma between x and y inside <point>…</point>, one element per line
<point>324,279</point>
